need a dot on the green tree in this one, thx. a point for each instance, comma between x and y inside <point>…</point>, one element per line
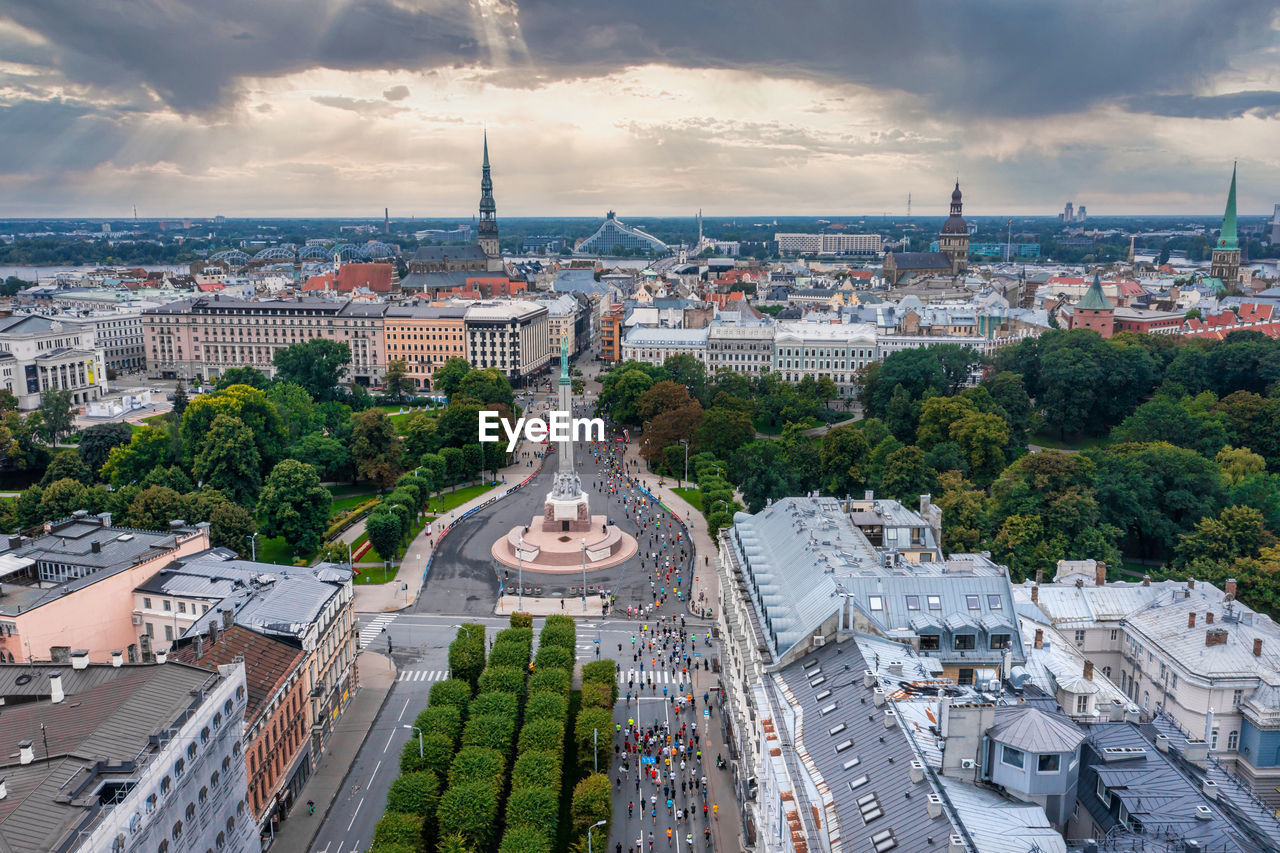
<point>470,811</point>
<point>64,465</point>
<point>1237,531</point>
<point>293,404</point>
<point>724,430</point>
<point>414,793</point>
<point>844,457</point>
<point>454,463</point>
<point>591,804</point>
<point>147,449</point>
<point>180,400</point>
<point>917,371</point>
<point>396,381</point>
<point>376,448</point>
<point>96,442</point>
<point>230,526</point>
<point>489,387</point>
<point>448,376</point>
<point>227,460</point>
<point>154,507</point>
<point>690,372</point>
<point>982,438</point>
<point>906,476</point>
<point>250,406</point>
<point>400,829</point>
<point>317,365</point>
<point>63,497</point>
<point>619,392</point>
<point>384,533</point>
<point>57,416</point>
<point>294,505</point>
<point>330,457</point>
<point>668,427</point>
<point>1010,396</point>
<point>251,376</point>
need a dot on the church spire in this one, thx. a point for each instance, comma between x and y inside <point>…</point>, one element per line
<point>1227,239</point>
<point>487,228</point>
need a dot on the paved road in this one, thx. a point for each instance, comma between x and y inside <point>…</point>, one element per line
<point>465,579</point>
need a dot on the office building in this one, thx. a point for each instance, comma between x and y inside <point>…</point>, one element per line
<point>424,337</point>
<point>827,244</point>
<point>513,336</point>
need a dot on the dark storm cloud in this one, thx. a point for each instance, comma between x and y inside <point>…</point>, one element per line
<point>993,57</point>
<point>1261,103</point>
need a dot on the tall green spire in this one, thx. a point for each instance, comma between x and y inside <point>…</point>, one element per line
<point>1227,239</point>
<point>1094,299</point>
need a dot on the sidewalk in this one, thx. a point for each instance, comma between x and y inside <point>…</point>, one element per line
<point>387,597</point>
<point>377,676</point>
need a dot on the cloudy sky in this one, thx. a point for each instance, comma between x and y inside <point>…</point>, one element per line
<point>659,107</point>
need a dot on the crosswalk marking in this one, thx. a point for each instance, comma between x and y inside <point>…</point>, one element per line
<point>649,676</point>
<point>371,631</point>
<point>423,675</point>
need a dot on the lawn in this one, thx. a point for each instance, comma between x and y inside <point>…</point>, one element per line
<point>155,420</point>
<point>371,575</point>
<point>342,504</point>
<point>275,550</point>
<point>1082,442</point>
<point>445,501</point>
<point>692,496</point>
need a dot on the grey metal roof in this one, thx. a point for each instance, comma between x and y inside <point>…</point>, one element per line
<point>1035,731</point>
<point>107,715</point>
<point>997,825</point>
<point>877,763</point>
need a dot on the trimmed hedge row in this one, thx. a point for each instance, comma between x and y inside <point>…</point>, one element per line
<point>533,809</point>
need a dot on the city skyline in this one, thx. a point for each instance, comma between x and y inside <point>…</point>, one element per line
<point>651,111</point>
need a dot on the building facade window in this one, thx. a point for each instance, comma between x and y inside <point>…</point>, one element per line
<point>1012,757</point>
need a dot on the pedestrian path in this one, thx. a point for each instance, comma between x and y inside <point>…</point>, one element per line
<point>370,632</point>
<point>423,675</point>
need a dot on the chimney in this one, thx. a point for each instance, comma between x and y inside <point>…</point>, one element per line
<point>1191,583</point>
<point>1039,638</point>
<point>1039,576</point>
<point>162,657</point>
<point>1146,580</point>
<point>1215,637</point>
<point>1231,587</point>
<point>1257,647</point>
<point>80,659</point>
<point>95,547</point>
<point>213,632</point>
<point>1079,583</point>
<point>26,754</point>
<point>144,646</point>
<point>117,658</point>
<point>105,518</point>
<point>228,619</point>
<point>1208,618</point>
<point>1088,670</point>
<point>1100,574</point>
<point>55,687</point>
<point>4,789</point>
<point>1191,619</point>
<point>934,806</point>
<point>199,646</point>
<point>1035,594</point>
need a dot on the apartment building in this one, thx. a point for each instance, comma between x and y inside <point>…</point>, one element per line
<point>72,586</point>
<point>834,350</point>
<point>424,337</point>
<point>120,336</point>
<point>611,330</point>
<point>277,745</point>
<point>106,758</point>
<point>512,336</point>
<point>201,338</point>
<point>654,345</point>
<point>745,348</point>
<point>1187,650</point>
<point>827,244</point>
<point>309,607</point>
<point>38,353</point>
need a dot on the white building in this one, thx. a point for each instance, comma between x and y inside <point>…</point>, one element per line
<point>745,348</point>
<point>38,353</point>
<point>513,336</point>
<point>836,350</point>
<point>827,244</point>
<point>655,345</point>
<point>108,758</point>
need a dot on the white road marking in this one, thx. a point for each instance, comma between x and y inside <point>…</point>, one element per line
<point>353,814</point>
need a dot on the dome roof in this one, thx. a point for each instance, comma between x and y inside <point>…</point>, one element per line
<point>955,194</point>
<point>955,225</point>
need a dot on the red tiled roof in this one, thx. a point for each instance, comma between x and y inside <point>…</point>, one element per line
<point>375,277</point>
<point>267,662</point>
<point>318,282</point>
<point>212,287</point>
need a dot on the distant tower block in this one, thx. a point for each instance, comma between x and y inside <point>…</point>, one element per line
<point>386,220</point>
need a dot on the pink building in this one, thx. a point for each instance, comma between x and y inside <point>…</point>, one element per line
<point>72,587</point>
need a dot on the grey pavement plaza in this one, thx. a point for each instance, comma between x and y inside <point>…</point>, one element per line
<point>405,653</point>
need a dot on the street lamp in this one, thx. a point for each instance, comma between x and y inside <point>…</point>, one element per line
<point>520,577</point>
<point>419,731</point>
<point>584,576</point>
<point>589,828</point>
<point>253,547</point>
<point>463,628</point>
<point>685,442</point>
<point>714,504</point>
